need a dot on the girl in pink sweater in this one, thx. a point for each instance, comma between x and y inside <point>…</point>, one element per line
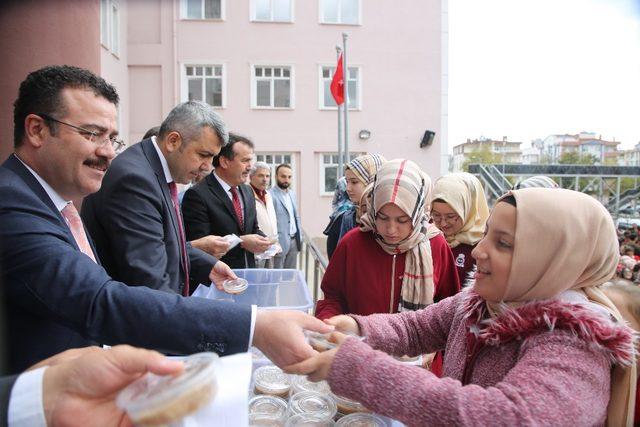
<point>533,342</point>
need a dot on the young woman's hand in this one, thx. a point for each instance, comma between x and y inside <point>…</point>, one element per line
<point>317,368</point>
<point>343,323</point>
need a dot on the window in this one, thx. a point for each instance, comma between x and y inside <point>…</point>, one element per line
<point>202,9</point>
<point>272,87</point>
<point>340,12</point>
<point>326,99</point>
<point>329,172</point>
<point>272,10</point>
<point>110,25</point>
<point>204,83</point>
<point>275,159</point>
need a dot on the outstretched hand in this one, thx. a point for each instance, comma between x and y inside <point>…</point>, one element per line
<point>279,335</point>
<point>317,367</point>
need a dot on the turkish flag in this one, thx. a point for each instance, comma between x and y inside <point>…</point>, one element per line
<point>337,83</point>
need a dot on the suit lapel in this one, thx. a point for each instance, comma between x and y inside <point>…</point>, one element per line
<point>154,161</point>
<point>14,164</point>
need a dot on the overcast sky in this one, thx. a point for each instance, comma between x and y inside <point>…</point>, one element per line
<point>526,69</point>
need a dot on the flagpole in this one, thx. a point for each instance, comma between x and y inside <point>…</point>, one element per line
<point>340,154</point>
<point>345,72</point>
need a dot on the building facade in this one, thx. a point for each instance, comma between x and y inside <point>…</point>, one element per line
<point>485,150</point>
<point>265,65</point>
<point>629,157</point>
<point>583,143</point>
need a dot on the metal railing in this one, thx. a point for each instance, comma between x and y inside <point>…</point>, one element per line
<point>313,263</point>
<point>494,181</point>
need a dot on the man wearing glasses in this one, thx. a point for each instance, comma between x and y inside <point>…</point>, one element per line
<point>56,293</point>
<point>135,218</point>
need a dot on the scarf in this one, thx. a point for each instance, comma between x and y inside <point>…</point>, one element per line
<point>262,194</point>
<point>464,193</point>
<point>566,240</point>
<point>402,183</point>
<point>364,168</point>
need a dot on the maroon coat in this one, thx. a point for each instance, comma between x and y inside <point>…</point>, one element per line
<point>358,278</point>
<point>543,363</point>
<point>464,261</point>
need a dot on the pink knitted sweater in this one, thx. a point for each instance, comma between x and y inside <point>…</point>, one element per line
<point>544,363</point>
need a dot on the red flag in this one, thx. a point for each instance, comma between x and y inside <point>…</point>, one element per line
<point>337,83</point>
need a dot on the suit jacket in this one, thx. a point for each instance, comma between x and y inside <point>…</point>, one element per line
<point>58,298</point>
<point>207,209</point>
<point>134,225</point>
<point>284,221</point>
<point>6,384</point>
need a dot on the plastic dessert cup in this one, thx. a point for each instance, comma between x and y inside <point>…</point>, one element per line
<point>235,286</point>
<point>155,400</point>
<point>272,381</point>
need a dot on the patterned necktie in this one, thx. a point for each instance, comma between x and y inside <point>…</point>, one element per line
<point>173,188</point>
<point>237,206</point>
<point>70,213</point>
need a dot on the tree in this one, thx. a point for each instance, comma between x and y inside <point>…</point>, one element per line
<point>574,158</point>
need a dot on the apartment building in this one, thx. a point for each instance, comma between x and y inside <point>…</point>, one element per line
<point>490,150</point>
<point>265,65</point>
<point>583,143</point>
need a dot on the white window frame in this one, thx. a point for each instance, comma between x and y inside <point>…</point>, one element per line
<point>252,13</point>
<point>110,26</point>
<point>183,12</point>
<point>339,22</point>
<point>321,79</point>
<point>261,156</point>
<point>254,88</point>
<point>324,166</point>
<point>184,80</point>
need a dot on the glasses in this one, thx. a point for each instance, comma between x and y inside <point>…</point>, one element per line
<point>91,136</point>
<point>448,218</point>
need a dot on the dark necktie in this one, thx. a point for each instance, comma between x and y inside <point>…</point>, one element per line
<point>237,206</point>
<point>70,213</point>
<point>173,188</point>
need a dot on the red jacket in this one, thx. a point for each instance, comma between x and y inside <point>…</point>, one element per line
<point>358,277</point>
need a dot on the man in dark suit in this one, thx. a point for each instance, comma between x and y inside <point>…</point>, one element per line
<point>223,204</point>
<point>57,295</point>
<point>134,221</point>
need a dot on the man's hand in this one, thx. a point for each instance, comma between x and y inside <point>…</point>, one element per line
<point>278,334</point>
<point>317,367</point>
<point>213,245</point>
<point>255,243</point>
<point>219,273</point>
<point>82,391</point>
<point>65,356</point>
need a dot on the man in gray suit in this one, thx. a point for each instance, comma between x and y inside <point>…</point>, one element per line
<point>284,201</point>
<point>135,218</point>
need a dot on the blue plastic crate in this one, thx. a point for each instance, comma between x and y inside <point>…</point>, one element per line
<point>270,289</point>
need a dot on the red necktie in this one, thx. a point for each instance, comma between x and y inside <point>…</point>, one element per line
<point>173,188</point>
<point>237,206</point>
<point>70,213</point>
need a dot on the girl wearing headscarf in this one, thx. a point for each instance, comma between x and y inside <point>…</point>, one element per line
<point>340,204</point>
<point>357,175</point>
<point>395,260</point>
<point>459,209</point>
<point>535,341</point>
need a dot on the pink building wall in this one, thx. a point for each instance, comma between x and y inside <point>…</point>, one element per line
<point>397,46</point>
<point>31,41</point>
<point>400,48</point>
